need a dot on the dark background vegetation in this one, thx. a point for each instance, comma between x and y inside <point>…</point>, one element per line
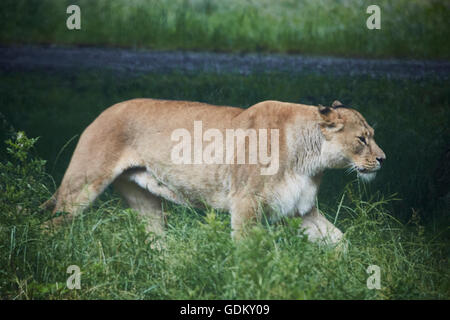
<point>400,221</point>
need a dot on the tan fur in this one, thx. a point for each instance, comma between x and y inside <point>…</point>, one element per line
<point>130,145</point>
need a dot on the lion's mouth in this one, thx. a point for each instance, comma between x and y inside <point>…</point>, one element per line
<point>365,170</point>
<point>366,174</point>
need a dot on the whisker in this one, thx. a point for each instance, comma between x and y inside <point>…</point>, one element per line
<point>351,168</point>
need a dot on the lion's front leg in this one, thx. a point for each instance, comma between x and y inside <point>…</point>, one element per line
<point>244,214</point>
<point>319,229</point>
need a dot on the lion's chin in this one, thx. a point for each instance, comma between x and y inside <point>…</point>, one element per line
<point>367,176</point>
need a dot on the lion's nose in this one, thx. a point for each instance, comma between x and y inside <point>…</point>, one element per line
<point>380,160</point>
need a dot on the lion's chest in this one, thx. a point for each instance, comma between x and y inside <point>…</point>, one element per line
<point>295,194</point>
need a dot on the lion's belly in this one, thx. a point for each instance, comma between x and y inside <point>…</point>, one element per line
<point>180,188</point>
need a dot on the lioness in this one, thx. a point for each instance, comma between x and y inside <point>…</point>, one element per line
<point>130,145</point>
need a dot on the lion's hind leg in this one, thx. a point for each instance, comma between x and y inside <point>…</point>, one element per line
<point>85,179</point>
<point>75,194</point>
<point>148,205</point>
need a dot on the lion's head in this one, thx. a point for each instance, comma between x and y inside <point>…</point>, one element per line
<point>349,141</point>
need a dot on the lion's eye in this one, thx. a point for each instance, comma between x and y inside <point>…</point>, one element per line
<point>363,140</point>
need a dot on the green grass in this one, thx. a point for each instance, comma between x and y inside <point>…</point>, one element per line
<point>409,28</point>
<point>408,237</point>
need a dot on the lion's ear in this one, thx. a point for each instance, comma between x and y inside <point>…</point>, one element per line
<point>331,121</point>
<point>323,110</point>
<point>337,104</point>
